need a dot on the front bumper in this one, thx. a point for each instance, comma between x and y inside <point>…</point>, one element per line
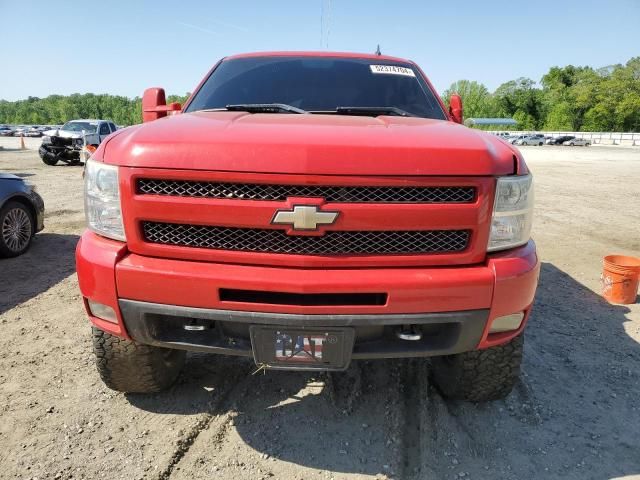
<point>69,152</point>
<point>452,306</point>
<point>227,331</point>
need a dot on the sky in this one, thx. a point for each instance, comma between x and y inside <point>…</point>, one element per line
<point>122,47</point>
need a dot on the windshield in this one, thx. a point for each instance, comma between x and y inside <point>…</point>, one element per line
<point>318,85</point>
<point>89,127</point>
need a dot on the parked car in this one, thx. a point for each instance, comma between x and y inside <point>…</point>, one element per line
<point>536,139</point>
<point>515,139</point>
<point>6,131</point>
<point>65,144</point>
<point>21,214</point>
<point>234,225</point>
<point>19,130</point>
<point>582,142</point>
<point>559,140</point>
<point>32,132</point>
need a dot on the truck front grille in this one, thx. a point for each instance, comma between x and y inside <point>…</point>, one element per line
<point>331,243</point>
<point>343,194</point>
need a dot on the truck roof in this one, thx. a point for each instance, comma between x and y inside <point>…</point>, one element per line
<point>370,56</point>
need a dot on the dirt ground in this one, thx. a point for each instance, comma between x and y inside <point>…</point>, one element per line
<point>575,413</point>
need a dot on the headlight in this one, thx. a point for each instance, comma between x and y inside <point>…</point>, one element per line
<point>46,139</point>
<point>102,200</point>
<point>512,213</point>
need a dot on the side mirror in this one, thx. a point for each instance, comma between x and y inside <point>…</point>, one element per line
<point>154,105</point>
<point>455,108</point>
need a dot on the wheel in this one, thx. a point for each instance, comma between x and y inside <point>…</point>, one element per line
<point>572,144</point>
<point>17,227</point>
<point>480,375</point>
<point>47,157</point>
<point>540,144</point>
<point>128,366</point>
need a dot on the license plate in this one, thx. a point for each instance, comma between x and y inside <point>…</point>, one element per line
<point>296,349</point>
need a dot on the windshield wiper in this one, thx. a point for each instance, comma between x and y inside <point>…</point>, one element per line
<point>264,108</point>
<point>373,111</point>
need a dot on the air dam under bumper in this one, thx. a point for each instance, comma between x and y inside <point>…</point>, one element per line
<point>452,306</point>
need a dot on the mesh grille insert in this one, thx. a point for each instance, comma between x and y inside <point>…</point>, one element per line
<point>344,194</point>
<point>331,243</point>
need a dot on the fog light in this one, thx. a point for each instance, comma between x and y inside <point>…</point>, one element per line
<point>507,323</point>
<point>105,312</point>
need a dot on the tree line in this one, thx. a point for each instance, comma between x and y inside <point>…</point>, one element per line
<point>566,99</point>
<point>58,109</point>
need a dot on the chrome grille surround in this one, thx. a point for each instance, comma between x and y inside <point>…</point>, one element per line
<point>331,243</point>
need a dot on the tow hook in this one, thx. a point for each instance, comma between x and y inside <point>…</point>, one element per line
<point>193,326</point>
<point>409,332</point>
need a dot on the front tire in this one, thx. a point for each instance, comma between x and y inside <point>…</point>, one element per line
<point>480,375</point>
<point>47,157</point>
<point>131,367</point>
<point>17,227</point>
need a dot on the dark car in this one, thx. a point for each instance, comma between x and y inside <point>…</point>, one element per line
<point>21,215</point>
<point>560,140</point>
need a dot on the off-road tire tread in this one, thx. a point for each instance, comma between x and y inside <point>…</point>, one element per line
<point>128,366</point>
<point>480,375</point>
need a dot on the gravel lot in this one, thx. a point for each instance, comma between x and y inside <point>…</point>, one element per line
<point>575,413</point>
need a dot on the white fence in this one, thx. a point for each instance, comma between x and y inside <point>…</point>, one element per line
<point>602,138</point>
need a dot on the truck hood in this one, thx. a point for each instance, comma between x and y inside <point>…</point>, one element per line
<point>66,133</point>
<point>309,144</point>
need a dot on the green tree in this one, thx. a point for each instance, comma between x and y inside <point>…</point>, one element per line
<point>521,100</point>
<point>57,109</point>
<point>560,117</point>
<point>476,99</point>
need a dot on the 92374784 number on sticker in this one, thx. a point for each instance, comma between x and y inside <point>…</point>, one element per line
<point>392,70</point>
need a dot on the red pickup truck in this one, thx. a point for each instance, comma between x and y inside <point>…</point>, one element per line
<point>306,210</point>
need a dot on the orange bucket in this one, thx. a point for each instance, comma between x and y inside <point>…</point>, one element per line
<point>620,277</point>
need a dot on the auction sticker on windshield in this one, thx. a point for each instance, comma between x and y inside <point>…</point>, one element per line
<point>392,70</point>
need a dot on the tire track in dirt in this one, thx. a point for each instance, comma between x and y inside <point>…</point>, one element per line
<point>304,425</point>
<point>230,386</point>
<point>411,381</point>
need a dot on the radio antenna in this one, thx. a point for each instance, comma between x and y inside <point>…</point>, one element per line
<point>325,23</point>
<point>328,23</point>
<point>321,21</point>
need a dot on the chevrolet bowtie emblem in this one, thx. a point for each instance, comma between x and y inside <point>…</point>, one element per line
<point>304,217</point>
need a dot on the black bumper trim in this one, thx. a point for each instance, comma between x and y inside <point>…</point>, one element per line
<point>161,325</point>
